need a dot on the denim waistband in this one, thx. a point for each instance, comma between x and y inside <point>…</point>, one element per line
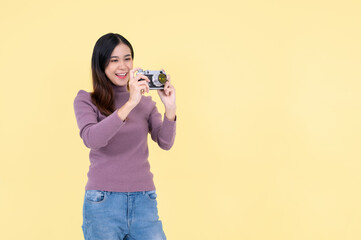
<point>124,193</point>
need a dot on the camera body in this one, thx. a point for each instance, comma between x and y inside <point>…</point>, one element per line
<point>157,78</point>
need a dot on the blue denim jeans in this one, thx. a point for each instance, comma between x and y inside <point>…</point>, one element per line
<point>121,216</point>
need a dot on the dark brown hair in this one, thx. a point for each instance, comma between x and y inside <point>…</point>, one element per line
<point>103,95</point>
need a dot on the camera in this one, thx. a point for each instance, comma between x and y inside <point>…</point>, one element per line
<point>157,78</point>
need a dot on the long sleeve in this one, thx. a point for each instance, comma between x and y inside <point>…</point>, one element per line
<point>94,134</point>
<point>162,132</point>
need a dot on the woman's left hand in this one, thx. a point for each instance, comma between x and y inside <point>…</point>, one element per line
<point>167,95</point>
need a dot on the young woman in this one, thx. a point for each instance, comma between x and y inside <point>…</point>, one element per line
<point>114,121</point>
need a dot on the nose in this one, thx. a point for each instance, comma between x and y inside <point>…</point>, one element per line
<point>122,65</point>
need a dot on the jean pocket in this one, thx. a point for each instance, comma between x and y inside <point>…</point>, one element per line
<point>96,196</point>
<point>152,195</point>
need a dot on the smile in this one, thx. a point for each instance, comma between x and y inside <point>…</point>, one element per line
<point>121,75</point>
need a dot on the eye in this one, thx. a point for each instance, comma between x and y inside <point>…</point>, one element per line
<point>127,59</point>
<point>114,60</point>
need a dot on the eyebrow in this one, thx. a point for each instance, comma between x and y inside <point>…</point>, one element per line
<point>128,55</point>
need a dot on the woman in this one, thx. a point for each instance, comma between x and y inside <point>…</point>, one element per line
<point>114,121</point>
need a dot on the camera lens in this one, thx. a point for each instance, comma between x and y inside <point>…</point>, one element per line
<point>159,79</point>
<point>162,78</point>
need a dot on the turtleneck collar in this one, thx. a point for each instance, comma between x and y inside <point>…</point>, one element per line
<point>119,89</point>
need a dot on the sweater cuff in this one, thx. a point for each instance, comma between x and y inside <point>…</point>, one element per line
<point>115,120</point>
<point>168,122</point>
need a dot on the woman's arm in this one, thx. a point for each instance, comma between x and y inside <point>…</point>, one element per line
<point>97,134</point>
<point>162,132</point>
<point>94,134</point>
<point>167,95</point>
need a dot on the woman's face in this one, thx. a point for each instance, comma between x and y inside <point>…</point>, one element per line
<point>120,64</point>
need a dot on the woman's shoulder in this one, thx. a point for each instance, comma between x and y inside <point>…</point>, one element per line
<point>82,92</point>
<point>83,97</point>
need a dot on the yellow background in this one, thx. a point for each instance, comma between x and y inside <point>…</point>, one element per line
<point>268,104</point>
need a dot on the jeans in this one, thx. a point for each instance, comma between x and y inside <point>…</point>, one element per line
<point>121,216</point>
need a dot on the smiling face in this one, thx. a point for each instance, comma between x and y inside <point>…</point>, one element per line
<point>120,64</point>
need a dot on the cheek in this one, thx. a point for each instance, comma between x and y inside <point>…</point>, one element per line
<point>130,65</point>
<point>110,68</point>
<point>108,72</point>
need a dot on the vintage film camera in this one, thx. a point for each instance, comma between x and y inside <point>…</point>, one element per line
<point>157,78</point>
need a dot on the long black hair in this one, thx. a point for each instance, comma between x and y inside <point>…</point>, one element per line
<point>103,95</point>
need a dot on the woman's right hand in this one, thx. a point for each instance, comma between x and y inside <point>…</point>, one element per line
<point>137,88</point>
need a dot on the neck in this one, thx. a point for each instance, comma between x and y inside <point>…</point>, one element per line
<point>119,89</point>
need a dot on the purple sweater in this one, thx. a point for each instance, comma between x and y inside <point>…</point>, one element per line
<point>119,150</point>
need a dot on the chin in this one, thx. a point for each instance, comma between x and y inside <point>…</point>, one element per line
<point>122,83</point>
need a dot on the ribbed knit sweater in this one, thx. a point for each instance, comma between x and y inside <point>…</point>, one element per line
<point>119,150</point>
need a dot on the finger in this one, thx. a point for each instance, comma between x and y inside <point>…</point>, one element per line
<point>161,92</point>
<point>166,90</point>
<point>141,76</point>
<point>168,77</point>
<point>143,85</point>
<point>135,83</point>
<point>167,84</point>
<point>171,90</point>
<point>171,87</point>
<point>131,77</point>
<point>145,89</point>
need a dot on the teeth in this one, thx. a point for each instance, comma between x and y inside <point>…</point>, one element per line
<point>123,74</point>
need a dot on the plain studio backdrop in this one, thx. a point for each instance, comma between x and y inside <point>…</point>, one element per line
<point>268,105</point>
